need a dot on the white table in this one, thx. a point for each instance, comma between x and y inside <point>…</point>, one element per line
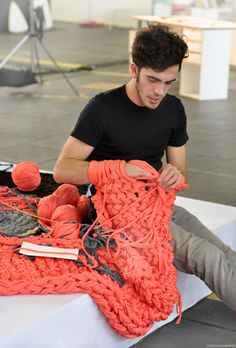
<point>205,73</point>
<point>73,321</point>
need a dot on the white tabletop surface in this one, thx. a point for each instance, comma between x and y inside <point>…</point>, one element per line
<point>187,21</point>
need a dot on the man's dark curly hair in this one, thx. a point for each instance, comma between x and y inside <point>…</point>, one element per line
<point>158,48</point>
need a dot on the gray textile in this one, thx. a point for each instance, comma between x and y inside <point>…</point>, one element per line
<point>14,223</point>
<point>198,251</point>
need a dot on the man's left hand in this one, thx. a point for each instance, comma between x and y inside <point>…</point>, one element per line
<point>170,177</point>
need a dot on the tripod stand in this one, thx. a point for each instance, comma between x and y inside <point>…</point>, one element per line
<point>34,36</point>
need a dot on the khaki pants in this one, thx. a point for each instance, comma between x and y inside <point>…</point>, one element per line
<point>198,251</point>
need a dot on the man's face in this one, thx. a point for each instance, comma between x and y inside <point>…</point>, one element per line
<point>152,86</point>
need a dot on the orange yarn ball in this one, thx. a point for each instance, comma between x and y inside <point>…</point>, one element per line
<point>83,206</point>
<point>46,207</point>
<point>67,194</point>
<point>60,206</point>
<point>26,176</point>
<point>65,213</point>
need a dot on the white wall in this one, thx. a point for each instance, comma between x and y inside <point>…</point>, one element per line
<point>111,12</point>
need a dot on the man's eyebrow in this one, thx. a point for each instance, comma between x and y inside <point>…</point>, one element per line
<point>157,79</point>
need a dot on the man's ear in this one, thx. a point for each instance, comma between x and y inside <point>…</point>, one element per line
<point>134,70</point>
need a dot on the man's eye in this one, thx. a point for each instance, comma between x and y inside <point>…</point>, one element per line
<point>152,80</point>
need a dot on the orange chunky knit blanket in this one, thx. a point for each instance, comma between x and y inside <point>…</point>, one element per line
<point>133,215</point>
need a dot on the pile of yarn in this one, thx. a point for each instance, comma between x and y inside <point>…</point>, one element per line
<point>132,242</point>
<point>26,176</point>
<point>62,212</point>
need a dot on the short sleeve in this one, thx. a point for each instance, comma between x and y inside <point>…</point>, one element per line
<point>179,135</point>
<point>90,125</point>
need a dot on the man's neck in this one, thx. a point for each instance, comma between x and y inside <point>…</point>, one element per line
<point>132,93</point>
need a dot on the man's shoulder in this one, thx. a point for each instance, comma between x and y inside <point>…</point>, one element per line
<point>172,104</point>
<point>172,99</point>
<point>110,94</point>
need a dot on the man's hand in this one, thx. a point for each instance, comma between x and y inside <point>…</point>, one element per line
<point>170,177</point>
<point>133,171</point>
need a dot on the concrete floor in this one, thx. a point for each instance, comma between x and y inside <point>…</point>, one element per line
<point>36,120</point>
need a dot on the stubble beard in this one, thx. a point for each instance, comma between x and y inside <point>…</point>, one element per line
<point>139,92</point>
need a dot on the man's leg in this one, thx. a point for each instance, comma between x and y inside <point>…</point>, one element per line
<point>198,251</point>
<point>184,219</point>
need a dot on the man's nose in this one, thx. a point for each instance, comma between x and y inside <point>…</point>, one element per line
<point>159,89</point>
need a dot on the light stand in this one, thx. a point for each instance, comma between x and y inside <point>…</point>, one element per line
<point>35,35</point>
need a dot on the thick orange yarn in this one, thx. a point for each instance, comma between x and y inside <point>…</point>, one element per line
<point>66,213</point>
<point>83,206</point>
<point>26,176</point>
<point>65,194</point>
<point>65,229</point>
<point>138,212</point>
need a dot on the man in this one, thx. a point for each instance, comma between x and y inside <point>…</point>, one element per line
<point>142,121</point>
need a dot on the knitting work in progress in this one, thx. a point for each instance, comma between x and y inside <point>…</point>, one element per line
<point>125,260</point>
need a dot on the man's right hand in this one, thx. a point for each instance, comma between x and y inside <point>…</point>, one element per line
<point>133,170</point>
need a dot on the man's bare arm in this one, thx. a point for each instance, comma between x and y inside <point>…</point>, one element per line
<point>177,157</point>
<point>71,166</point>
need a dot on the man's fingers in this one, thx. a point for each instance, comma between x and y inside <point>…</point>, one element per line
<point>166,171</point>
<point>170,177</point>
<point>172,184</point>
<point>133,171</point>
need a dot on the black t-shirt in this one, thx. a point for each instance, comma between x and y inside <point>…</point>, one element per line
<point>117,128</point>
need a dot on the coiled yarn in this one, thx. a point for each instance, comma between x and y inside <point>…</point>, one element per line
<point>65,194</point>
